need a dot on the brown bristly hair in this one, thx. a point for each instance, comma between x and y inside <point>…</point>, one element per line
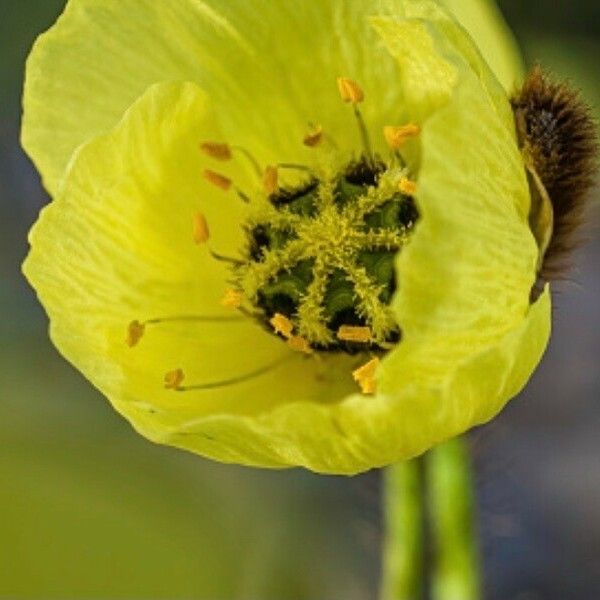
<point>556,127</point>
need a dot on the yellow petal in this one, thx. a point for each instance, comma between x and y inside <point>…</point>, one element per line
<point>115,246</point>
<point>486,25</point>
<point>100,56</point>
<point>363,432</point>
<point>467,270</point>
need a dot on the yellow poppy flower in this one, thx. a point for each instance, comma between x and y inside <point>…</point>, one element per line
<point>223,248</point>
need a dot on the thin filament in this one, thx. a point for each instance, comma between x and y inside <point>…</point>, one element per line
<point>223,258</point>
<point>195,318</point>
<point>294,166</point>
<point>242,195</point>
<point>250,157</point>
<point>234,380</point>
<point>364,134</point>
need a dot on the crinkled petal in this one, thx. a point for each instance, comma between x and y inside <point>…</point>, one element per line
<point>486,25</point>
<point>116,245</point>
<point>276,61</point>
<point>466,274</point>
<point>427,44</point>
<point>271,66</point>
<point>361,432</point>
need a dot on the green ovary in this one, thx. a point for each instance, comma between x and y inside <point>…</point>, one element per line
<point>322,254</point>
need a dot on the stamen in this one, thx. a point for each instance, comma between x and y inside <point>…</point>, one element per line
<point>349,90</point>
<point>351,333</point>
<point>216,150</point>
<point>232,299</point>
<point>224,258</point>
<point>397,135</point>
<point>270,180</point>
<point>294,166</point>
<point>281,324</point>
<point>234,380</point>
<point>314,137</point>
<point>398,159</point>
<point>173,379</point>
<point>217,179</point>
<point>365,376</point>
<point>243,196</point>
<point>224,183</point>
<point>135,331</point>
<point>250,158</point>
<point>364,134</point>
<point>193,319</point>
<point>223,151</point>
<point>299,344</point>
<point>200,231</point>
<point>407,187</point>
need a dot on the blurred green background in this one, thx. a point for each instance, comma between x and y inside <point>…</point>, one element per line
<point>88,509</point>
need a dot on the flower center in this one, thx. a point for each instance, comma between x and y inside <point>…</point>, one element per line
<point>320,256</point>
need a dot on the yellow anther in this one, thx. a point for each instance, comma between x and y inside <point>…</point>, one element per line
<point>281,324</point>
<point>217,179</point>
<point>350,333</point>
<point>407,187</point>
<point>216,150</point>
<point>397,135</point>
<point>271,180</point>
<point>350,91</point>
<point>173,379</point>
<point>365,376</point>
<point>299,344</point>
<point>232,299</point>
<point>314,137</point>
<point>200,231</point>
<point>135,331</point>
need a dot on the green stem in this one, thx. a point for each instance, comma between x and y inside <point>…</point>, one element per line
<point>402,568</point>
<point>430,497</point>
<point>457,572</point>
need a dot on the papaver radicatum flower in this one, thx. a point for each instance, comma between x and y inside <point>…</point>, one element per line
<point>291,233</point>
